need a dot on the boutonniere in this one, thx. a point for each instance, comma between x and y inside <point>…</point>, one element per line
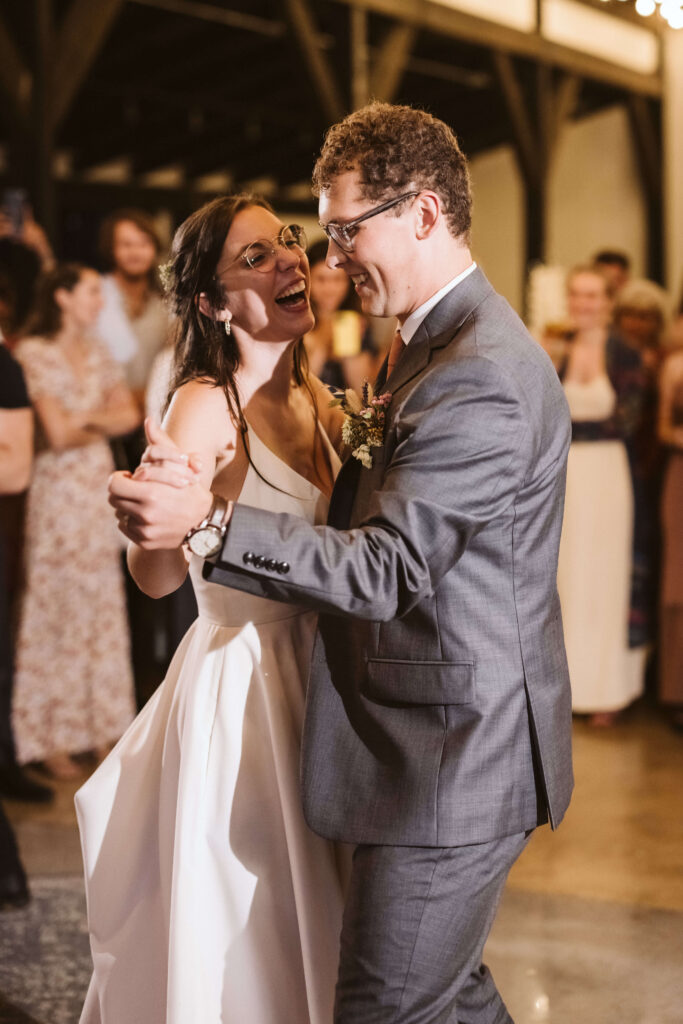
<point>363,427</point>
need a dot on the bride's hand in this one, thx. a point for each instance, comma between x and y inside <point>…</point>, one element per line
<point>163,462</point>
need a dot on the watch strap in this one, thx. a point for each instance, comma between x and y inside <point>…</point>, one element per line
<point>216,517</point>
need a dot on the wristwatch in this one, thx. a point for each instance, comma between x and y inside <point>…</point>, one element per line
<point>206,539</point>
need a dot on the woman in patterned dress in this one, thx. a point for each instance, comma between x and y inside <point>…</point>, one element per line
<point>73,687</point>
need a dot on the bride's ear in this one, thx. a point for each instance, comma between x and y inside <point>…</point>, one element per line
<point>205,307</point>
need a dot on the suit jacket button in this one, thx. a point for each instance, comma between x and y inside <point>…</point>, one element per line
<point>284,568</point>
<point>259,562</point>
<point>271,565</point>
<point>248,557</point>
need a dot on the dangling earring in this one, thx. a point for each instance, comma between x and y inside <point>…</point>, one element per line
<point>226,325</point>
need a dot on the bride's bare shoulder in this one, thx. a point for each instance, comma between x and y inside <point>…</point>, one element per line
<point>199,413</point>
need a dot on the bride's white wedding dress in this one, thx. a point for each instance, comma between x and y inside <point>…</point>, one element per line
<point>209,899</point>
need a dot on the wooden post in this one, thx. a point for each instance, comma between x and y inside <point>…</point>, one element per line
<point>42,135</point>
<point>391,62</point>
<point>300,18</point>
<point>360,76</point>
<point>649,151</point>
<point>536,131</point>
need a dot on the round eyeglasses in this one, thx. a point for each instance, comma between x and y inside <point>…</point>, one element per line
<point>262,254</point>
<point>343,235</point>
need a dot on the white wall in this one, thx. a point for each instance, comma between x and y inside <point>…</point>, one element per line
<point>595,198</point>
<point>595,201</point>
<point>498,221</point>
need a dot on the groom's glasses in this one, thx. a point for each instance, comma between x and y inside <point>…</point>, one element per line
<point>261,255</point>
<point>343,235</point>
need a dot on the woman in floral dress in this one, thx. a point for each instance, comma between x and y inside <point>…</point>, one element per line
<point>73,686</point>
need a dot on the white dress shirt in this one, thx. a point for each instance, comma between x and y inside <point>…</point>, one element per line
<point>415,319</point>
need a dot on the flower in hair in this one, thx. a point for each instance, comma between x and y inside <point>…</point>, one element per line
<point>364,415</point>
<point>166,275</point>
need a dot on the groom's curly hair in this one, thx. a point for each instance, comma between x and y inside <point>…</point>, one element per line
<point>396,148</point>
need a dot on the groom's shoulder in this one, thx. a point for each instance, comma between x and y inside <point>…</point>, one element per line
<point>491,353</point>
<point>495,333</point>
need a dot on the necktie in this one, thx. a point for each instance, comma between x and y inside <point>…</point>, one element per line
<point>395,352</point>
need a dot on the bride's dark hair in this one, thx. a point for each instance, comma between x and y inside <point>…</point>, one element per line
<point>202,348</point>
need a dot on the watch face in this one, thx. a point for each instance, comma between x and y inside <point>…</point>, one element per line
<point>205,542</point>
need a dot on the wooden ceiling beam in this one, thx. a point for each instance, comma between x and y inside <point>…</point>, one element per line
<point>565,102</point>
<point>322,74</point>
<point>648,145</point>
<point>219,16</point>
<point>392,61</point>
<point>442,21</point>
<point>79,40</point>
<point>524,130</point>
<point>284,156</point>
<point>360,58</point>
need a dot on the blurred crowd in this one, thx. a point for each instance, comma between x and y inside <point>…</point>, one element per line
<point>618,348</point>
<point>87,353</point>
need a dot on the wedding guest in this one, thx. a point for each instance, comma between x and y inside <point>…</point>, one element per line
<point>675,333</point>
<point>340,348</point>
<point>603,381</point>
<point>24,252</point>
<point>16,450</point>
<point>641,318</point>
<point>133,322</point>
<point>19,271</point>
<point>671,610</point>
<point>20,225</point>
<point>615,266</point>
<point>73,686</point>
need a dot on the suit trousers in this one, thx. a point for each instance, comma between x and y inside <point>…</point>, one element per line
<point>415,924</point>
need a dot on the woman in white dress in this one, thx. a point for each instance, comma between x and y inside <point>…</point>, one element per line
<point>604,385</point>
<point>209,900</point>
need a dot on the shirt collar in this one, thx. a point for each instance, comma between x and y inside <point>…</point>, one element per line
<point>417,316</point>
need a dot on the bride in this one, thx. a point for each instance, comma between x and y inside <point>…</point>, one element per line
<point>208,897</point>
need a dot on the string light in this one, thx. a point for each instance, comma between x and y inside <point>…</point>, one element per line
<point>670,10</point>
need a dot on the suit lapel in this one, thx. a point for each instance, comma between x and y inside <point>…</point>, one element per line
<point>437,329</point>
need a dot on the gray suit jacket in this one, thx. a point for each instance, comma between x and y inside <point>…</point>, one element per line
<point>439,709</point>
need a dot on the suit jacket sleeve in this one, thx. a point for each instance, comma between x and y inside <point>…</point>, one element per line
<point>461,447</point>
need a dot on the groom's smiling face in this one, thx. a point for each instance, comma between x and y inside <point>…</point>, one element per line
<point>382,264</point>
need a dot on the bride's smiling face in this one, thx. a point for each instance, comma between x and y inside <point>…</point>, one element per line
<point>266,306</point>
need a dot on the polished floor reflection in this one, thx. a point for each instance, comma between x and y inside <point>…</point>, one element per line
<point>590,930</point>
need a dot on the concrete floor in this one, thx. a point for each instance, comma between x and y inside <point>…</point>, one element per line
<point>590,930</point>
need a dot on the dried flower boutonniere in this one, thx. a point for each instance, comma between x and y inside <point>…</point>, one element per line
<point>363,427</point>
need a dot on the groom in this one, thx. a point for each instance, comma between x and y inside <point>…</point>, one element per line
<point>437,732</point>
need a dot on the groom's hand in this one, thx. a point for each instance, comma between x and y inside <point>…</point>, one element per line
<point>163,499</point>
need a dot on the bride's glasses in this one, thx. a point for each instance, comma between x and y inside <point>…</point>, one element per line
<point>261,255</point>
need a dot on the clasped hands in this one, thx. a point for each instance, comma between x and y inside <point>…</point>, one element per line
<point>164,498</point>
